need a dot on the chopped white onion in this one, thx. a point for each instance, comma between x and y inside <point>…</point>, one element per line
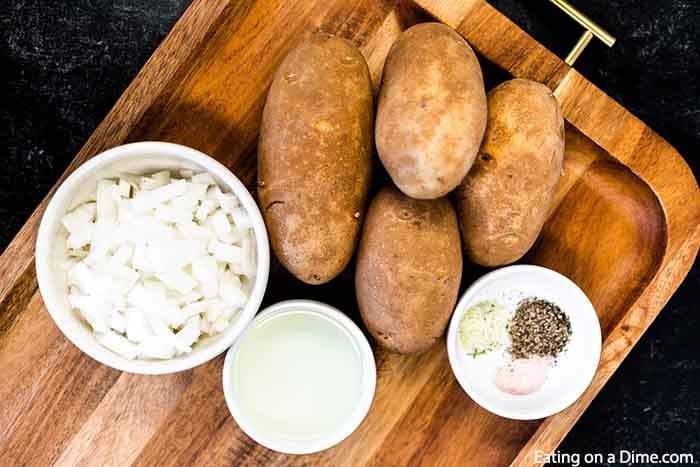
<point>177,280</point>
<point>221,224</point>
<point>146,200</point>
<point>118,344</point>
<point>155,262</point>
<point>106,204</point>
<point>206,208</point>
<point>156,347</point>
<point>205,272</point>
<point>188,335</point>
<point>204,179</point>
<point>241,218</point>
<point>155,180</point>
<point>117,321</point>
<point>137,327</point>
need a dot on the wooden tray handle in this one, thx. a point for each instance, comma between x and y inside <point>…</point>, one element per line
<point>592,29</point>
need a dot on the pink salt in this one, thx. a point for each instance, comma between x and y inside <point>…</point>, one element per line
<point>523,376</point>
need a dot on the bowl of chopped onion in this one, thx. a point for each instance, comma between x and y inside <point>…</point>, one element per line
<point>152,258</point>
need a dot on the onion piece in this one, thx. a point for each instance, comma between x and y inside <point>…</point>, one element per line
<point>118,344</point>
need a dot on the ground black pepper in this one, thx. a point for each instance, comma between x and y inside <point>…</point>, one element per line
<point>538,327</point>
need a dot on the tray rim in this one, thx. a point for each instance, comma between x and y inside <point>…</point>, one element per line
<point>680,200</point>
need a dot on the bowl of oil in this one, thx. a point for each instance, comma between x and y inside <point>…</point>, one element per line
<point>301,378</point>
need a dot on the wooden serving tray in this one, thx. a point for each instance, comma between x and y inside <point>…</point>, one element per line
<point>625,227</point>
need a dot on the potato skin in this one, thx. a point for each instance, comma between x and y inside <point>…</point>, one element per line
<point>314,156</point>
<point>432,111</point>
<point>409,267</point>
<point>504,200</point>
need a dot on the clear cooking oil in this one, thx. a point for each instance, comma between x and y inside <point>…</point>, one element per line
<point>297,375</point>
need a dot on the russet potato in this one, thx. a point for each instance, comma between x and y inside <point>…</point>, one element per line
<point>431,112</point>
<point>314,156</point>
<point>409,267</point>
<point>504,200</point>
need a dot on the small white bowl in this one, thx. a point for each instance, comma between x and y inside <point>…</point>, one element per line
<point>138,158</point>
<point>368,383</point>
<point>575,366</point>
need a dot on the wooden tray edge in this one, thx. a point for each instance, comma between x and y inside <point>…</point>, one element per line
<point>680,201</point>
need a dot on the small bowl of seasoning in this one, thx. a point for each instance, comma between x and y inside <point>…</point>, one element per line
<point>524,342</point>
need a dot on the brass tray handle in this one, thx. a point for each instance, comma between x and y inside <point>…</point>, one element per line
<point>592,29</point>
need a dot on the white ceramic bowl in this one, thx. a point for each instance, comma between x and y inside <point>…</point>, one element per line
<point>145,157</point>
<point>575,366</point>
<point>368,384</point>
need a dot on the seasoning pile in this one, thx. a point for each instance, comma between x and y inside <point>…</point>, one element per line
<point>538,328</point>
<point>483,328</point>
<point>538,331</point>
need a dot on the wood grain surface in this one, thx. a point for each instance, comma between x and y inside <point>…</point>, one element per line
<point>625,227</point>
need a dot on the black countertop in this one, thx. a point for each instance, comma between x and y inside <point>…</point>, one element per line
<point>65,62</point>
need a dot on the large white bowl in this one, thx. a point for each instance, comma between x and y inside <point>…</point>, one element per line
<point>138,158</point>
<point>575,366</point>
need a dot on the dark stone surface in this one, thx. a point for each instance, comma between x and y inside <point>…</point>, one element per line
<point>65,62</point>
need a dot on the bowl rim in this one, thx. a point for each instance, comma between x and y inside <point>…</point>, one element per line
<point>369,382</point>
<point>53,214</point>
<point>452,344</point>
